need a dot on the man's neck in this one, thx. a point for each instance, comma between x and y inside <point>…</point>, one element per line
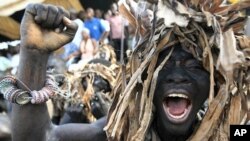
<point>167,136</point>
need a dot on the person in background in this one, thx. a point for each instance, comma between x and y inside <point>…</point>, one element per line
<point>88,49</point>
<point>247,29</point>
<point>78,20</point>
<point>9,59</point>
<point>104,22</point>
<point>131,37</point>
<point>88,46</point>
<point>97,30</point>
<point>71,50</point>
<point>117,31</point>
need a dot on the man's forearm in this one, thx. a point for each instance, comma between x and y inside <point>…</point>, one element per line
<point>41,31</point>
<point>29,122</point>
<point>104,36</point>
<point>32,68</point>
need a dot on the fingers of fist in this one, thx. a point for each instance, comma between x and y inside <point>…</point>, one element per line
<point>48,16</point>
<point>46,27</point>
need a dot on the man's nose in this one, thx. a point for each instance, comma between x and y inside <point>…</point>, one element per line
<point>177,76</point>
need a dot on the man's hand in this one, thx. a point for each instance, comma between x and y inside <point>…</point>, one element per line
<point>75,113</point>
<point>46,27</point>
<point>99,106</point>
<point>75,110</point>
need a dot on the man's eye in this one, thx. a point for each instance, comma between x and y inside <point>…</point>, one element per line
<point>193,65</point>
<point>168,64</point>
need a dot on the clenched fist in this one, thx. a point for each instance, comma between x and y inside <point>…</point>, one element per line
<point>46,27</point>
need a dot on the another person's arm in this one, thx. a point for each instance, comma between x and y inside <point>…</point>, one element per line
<point>95,45</point>
<point>105,33</point>
<point>80,132</point>
<point>74,54</point>
<point>82,46</point>
<point>31,122</point>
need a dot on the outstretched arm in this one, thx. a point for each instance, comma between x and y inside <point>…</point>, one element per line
<point>80,132</point>
<point>41,33</point>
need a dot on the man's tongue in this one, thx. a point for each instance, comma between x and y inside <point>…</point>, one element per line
<point>177,106</point>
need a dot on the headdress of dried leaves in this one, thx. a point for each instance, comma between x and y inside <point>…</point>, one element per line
<point>106,51</point>
<point>88,72</point>
<point>73,86</point>
<point>212,32</point>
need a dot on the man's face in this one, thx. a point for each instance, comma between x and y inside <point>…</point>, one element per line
<point>89,13</point>
<point>98,13</point>
<point>85,35</point>
<point>99,84</point>
<point>182,87</point>
<point>114,8</point>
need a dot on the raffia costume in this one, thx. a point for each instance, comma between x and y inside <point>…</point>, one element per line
<point>72,84</point>
<point>213,34</point>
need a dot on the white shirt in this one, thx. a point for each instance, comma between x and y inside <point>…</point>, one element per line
<point>106,26</point>
<point>78,36</point>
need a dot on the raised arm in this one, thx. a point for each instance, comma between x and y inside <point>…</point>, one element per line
<point>42,31</point>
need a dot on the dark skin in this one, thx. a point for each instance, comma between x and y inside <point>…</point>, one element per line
<point>185,76</point>
<point>5,133</point>
<point>38,39</point>
<point>41,34</point>
<point>99,107</point>
<point>74,114</point>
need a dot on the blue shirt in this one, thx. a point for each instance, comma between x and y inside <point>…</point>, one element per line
<point>95,27</point>
<point>69,49</point>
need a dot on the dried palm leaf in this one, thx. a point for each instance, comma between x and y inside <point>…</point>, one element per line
<point>212,32</point>
<point>73,85</point>
<point>106,52</point>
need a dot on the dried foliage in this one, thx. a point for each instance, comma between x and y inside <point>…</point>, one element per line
<point>106,52</point>
<point>74,85</point>
<point>213,35</point>
<point>73,82</point>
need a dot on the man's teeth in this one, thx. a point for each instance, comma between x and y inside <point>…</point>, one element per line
<point>178,95</point>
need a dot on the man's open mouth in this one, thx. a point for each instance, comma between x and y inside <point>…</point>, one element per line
<point>177,107</point>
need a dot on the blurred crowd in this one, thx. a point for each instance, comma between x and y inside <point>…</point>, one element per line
<point>9,57</point>
<point>88,65</point>
<point>96,27</point>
